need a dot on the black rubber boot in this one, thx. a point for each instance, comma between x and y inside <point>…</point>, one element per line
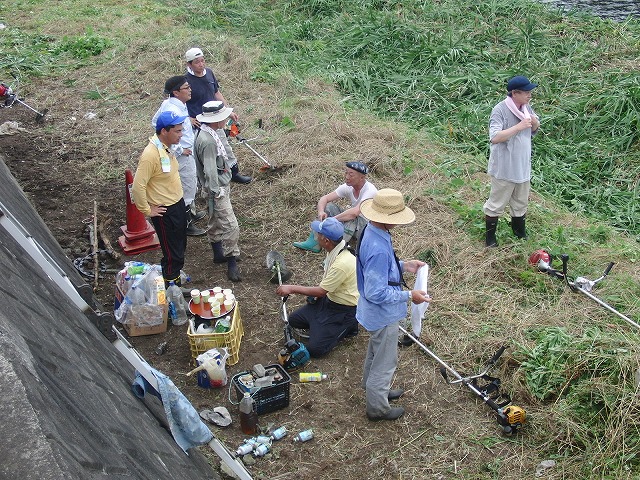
<point>237,177</point>
<point>518,227</point>
<point>198,216</point>
<point>192,230</point>
<point>491,226</point>
<point>218,254</point>
<point>233,273</point>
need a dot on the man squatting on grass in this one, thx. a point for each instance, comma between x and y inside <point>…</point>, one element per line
<point>214,172</point>
<point>382,302</point>
<point>512,125</point>
<point>179,92</point>
<point>157,193</point>
<point>355,189</point>
<point>330,312</point>
<point>205,88</point>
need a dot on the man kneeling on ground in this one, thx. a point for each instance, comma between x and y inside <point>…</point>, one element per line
<point>330,312</point>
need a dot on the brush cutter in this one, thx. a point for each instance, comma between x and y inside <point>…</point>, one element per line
<point>233,130</point>
<point>580,284</point>
<point>9,98</point>
<point>511,418</point>
<point>294,354</point>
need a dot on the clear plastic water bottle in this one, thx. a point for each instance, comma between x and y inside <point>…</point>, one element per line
<point>184,277</point>
<point>177,305</point>
<point>136,296</point>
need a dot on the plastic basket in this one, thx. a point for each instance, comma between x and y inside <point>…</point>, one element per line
<point>267,399</point>
<point>201,342</point>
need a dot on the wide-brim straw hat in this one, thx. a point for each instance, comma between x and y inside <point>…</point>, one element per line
<point>387,206</point>
<point>214,111</point>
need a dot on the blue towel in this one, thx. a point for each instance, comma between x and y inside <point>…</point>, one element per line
<point>141,387</point>
<point>185,424</point>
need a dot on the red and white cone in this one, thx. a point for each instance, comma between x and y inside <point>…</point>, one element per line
<point>139,235</point>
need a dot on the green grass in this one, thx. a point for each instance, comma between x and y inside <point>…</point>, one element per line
<point>441,67</point>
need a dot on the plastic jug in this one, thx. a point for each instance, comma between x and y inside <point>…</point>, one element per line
<point>212,368</point>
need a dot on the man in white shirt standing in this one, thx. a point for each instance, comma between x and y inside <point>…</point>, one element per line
<point>355,189</point>
<point>179,92</point>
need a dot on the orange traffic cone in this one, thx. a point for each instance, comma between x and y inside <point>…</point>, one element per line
<point>139,235</point>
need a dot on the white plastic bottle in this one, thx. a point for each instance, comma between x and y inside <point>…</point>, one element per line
<point>177,305</point>
<point>304,436</point>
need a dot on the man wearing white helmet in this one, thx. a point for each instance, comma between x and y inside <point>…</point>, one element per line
<point>205,88</point>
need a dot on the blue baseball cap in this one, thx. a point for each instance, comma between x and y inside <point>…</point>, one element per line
<point>520,83</point>
<point>167,119</point>
<point>329,227</point>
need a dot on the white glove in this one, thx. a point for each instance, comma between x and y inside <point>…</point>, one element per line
<point>221,194</point>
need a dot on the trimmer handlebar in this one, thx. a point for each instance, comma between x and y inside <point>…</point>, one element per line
<point>608,269</point>
<point>497,355</point>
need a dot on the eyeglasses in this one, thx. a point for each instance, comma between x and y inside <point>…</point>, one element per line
<point>187,87</point>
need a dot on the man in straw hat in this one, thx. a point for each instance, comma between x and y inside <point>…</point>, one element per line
<point>382,302</point>
<point>214,173</point>
<point>356,188</point>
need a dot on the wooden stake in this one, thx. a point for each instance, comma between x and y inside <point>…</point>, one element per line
<point>96,257</point>
<point>105,239</point>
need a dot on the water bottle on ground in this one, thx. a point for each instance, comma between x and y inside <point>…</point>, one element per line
<point>248,415</point>
<point>304,436</point>
<point>177,305</point>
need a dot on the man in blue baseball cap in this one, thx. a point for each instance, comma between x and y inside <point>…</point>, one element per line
<point>355,190</point>
<point>330,312</point>
<point>512,125</point>
<point>157,193</point>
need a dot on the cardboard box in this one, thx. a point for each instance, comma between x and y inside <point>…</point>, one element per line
<point>133,326</point>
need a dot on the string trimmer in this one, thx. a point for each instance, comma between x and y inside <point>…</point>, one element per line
<point>9,98</point>
<point>233,131</point>
<point>511,418</point>
<point>543,261</point>
<point>294,354</point>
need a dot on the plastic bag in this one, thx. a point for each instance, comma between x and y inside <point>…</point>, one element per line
<point>211,368</point>
<point>143,303</point>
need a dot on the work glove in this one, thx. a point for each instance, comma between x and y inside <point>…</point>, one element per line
<point>220,194</point>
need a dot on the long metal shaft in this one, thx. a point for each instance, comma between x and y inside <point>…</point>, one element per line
<point>29,107</point>
<point>246,144</point>
<point>494,406</point>
<point>611,309</point>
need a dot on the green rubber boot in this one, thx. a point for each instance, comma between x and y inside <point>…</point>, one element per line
<point>309,244</point>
